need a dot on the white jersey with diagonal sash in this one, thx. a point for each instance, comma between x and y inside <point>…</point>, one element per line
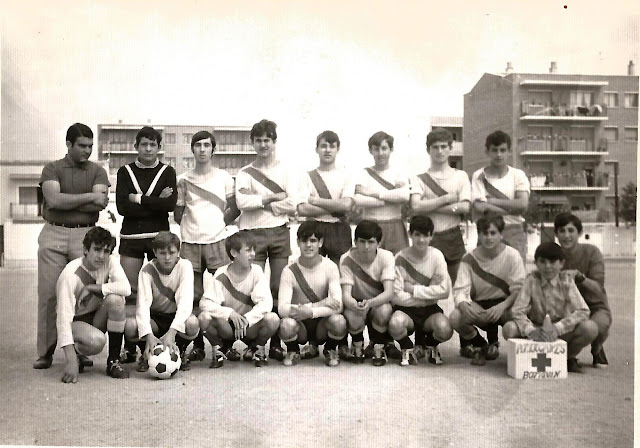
<point>393,179</point>
<point>367,280</point>
<point>338,182</point>
<point>420,272</point>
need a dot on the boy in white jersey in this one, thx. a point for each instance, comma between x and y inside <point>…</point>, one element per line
<point>330,197</point>
<point>382,191</point>
<point>489,280</point>
<point>421,281</point>
<point>206,205</point>
<point>165,302</point>
<point>90,293</point>
<point>443,193</point>
<point>310,302</point>
<point>237,303</point>
<point>266,194</point>
<point>501,189</point>
<point>367,275</point>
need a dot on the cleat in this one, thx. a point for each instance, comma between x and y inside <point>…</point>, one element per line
<point>433,356</point>
<point>309,351</point>
<point>85,361</point>
<point>115,370</point>
<point>233,355</point>
<point>344,352</point>
<point>247,354</point>
<point>379,356</point>
<point>196,354</point>
<point>574,366</point>
<point>44,362</point>
<point>599,359</point>
<point>80,366</point>
<point>357,352</point>
<point>466,351</point>
<point>392,351</point>
<point>408,357</point>
<point>276,353</point>
<point>143,364</point>
<point>419,351</point>
<point>479,357</point>
<point>186,363</point>
<point>260,357</point>
<point>368,351</point>
<point>127,356</point>
<point>333,358</point>
<point>291,359</point>
<point>217,358</point>
<point>492,351</point>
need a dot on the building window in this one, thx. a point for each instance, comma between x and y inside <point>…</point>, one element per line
<point>188,162</point>
<point>581,98</point>
<point>611,99</point>
<point>611,134</point>
<point>630,134</point>
<point>28,195</point>
<point>170,138</point>
<point>171,161</point>
<point>630,100</point>
<point>186,139</point>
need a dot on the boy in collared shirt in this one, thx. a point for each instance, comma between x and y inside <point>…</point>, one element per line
<point>550,292</point>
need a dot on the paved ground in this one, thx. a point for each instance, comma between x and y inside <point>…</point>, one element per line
<point>311,405</point>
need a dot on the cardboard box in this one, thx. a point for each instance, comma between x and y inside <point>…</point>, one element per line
<point>536,360</point>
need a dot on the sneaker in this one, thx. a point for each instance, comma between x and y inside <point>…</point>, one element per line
<point>85,361</point>
<point>433,356</point>
<point>419,351</point>
<point>357,352</point>
<point>392,351</point>
<point>600,359</point>
<point>574,366</point>
<point>186,363</point>
<point>309,351</point>
<point>333,358</point>
<point>115,369</point>
<point>492,351</point>
<point>291,359</point>
<point>466,351</point>
<point>247,354</point>
<point>379,356</point>
<point>196,354</point>
<point>344,352</point>
<point>217,358</point>
<point>479,357</point>
<point>44,362</point>
<point>143,364</point>
<point>260,357</point>
<point>368,351</point>
<point>276,353</point>
<point>232,355</point>
<point>80,365</point>
<point>408,357</point>
<point>127,356</point>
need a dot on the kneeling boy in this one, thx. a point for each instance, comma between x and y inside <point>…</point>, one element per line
<point>91,292</point>
<point>489,280</point>
<point>549,292</point>
<point>421,280</point>
<point>237,303</point>
<point>165,301</point>
<point>310,301</point>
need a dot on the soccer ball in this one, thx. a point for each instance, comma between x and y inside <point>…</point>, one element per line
<point>164,362</point>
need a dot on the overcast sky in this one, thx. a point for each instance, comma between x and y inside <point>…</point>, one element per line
<point>355,67</point>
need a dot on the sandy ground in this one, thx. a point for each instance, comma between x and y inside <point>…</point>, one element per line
<point>455,404</point>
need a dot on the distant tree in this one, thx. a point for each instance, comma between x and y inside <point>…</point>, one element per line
<point>628,203</point>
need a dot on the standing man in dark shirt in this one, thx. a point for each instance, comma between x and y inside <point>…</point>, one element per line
<point>74,191</point>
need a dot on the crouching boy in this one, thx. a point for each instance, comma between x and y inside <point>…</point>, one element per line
<point>547,291</point>
<point>165,302</point>
<point>421,280</point>
<point>310,301</point>
<point>237,304</point>
<point>91,292</point>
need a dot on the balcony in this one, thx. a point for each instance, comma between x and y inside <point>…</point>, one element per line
<point>553,112</point>
<point>577,181</point>
<point>456,149</point>
<point>25,212</point>
<point>561,145</point>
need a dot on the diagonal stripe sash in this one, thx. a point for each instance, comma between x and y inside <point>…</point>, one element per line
<point>362,274</point>
<point>493,191</point>
<point>304,285</point>
<point>385,183</point>
<point>86,279</point>
<point>323,190</point>
<point>263,179</point>
<point>486,276</point>
<point>432,184</point>
<point>155,277</point>
<point>238,295</point>
<point>413,272</point>
<point>205,194</point>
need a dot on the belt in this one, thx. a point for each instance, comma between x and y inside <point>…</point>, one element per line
<point>70,226</point>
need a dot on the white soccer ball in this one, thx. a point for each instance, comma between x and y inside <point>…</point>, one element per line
<point>164,362</point>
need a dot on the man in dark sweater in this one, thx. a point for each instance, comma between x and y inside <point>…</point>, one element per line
<point>145,194</point>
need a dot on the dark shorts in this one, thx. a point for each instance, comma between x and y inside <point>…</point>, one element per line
<point>272,243</point>
<point>311,325</point>
<point>450,243</point>
<point>336,239</point>
<point>486,304</point>
<point>205,256</point>
<point>136,248</point>
<point>419,314</point>
<point>86,318</point>
<point>394,235</point>
<point>163,321</point>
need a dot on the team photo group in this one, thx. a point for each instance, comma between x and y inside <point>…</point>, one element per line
<point>165,294</point>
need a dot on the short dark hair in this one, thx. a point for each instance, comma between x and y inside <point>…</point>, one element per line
<point>100,237</point>
<point>368,229</point>
<point>78,130</point>
<point>149,133</point>
<point>239,239</point>
<point>422,224</point>
<point>203,135</point>
<point>497,138</point>
<point>482,225</point>
<point>329,137</point>
<point>308,229</point>
<point>549,251</point>
<point>264,127</point>
<point>165,239</point>
<point>379,137</point>
<point>566,218</point>
<point>439,135</point>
